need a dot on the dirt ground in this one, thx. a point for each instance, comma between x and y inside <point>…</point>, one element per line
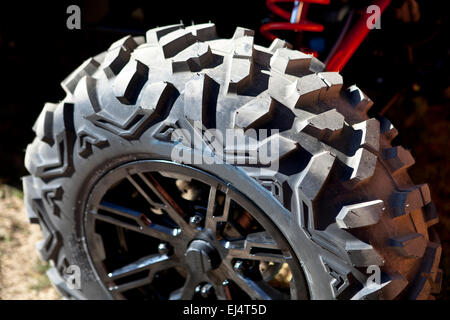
<point>22,273</point>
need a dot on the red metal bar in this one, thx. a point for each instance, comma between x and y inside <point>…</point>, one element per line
<point>287,14</point>
<point>301,26</point>
<point>345,48</point>
<point>304,26</point>
<point>353,39</point>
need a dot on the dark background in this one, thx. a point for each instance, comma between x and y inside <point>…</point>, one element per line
<point>403,67</point>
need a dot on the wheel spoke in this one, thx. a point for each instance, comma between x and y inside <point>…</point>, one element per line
<point>130,285</point>
<point>144,194</point>
<point>211,219</point>
<point>257,246</point>
<point>259,290</point>
<point>186,292</point>
<point>154,263</point>
<point>121,211</point>
<point>172,208</point>
<point>226,208</point>
<point>141,225</point>
<point>210,223</point>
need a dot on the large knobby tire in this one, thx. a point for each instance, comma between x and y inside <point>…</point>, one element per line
<point>341,196</point>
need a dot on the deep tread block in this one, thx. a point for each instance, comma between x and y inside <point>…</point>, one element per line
<point>158,96</point>
<point>115,60</point>
<point>326,125</point>
<point>363,164</point>
<point>436,285</point>
<point>307,92</point>
<point>154,35</point>
<point>254,111</point>
<point>89,88</point>
<point>431,259</point>
<point>420,289</point>
<point>262,55</point>
<point>361,254</point>
<point>333,82</point>
<point>285,146</point>
<point>62,166</point>
<point>295,63</point>
<point>118,56</point>
<point>359,101</point>
<point>200,100</point>
<point>316,175</point>
<point>406,201</point>
<point>290,91</point>
<point>430,214</point>
<point>130,81</point>
<point>425,193</point>
<point>88,68</point>
<point>49,247</point>
<point>389,289</point>
<point>44,125</point>
<point>370,134</point>
<point>428,279</point>
<point>242,67</point>
<point>243,32</point>
<point>387,129</point>
<point>204,31</point>
<point>194,58</point>
<point>410,245</point>
<point>29,190</point>
<point>258,149</point>
<point>130,128</point>
<point>397,159</point>
<point>240,75</point>
<point>128,42</point>
<point>176,41</point>
<point>330,119</point>
<point>360,214</point>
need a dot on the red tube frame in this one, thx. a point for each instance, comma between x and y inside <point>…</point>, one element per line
<point>353,39</point>
<point>302,26</point>
<point>349,44</point>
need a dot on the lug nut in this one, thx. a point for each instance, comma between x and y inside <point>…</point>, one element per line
<point>207,290</point>
<point>196,221</point>
<point>198,289</point>
<point>239,266</point>
<point>163,248</point>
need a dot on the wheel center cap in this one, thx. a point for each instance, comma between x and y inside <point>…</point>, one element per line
<point>201,256</point>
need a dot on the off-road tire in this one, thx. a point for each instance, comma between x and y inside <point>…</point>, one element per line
<point>342,196</point>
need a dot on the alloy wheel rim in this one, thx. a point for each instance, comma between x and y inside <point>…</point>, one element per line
<point>208,241</point>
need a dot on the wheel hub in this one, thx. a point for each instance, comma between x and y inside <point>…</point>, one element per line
<point>201,257</point>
